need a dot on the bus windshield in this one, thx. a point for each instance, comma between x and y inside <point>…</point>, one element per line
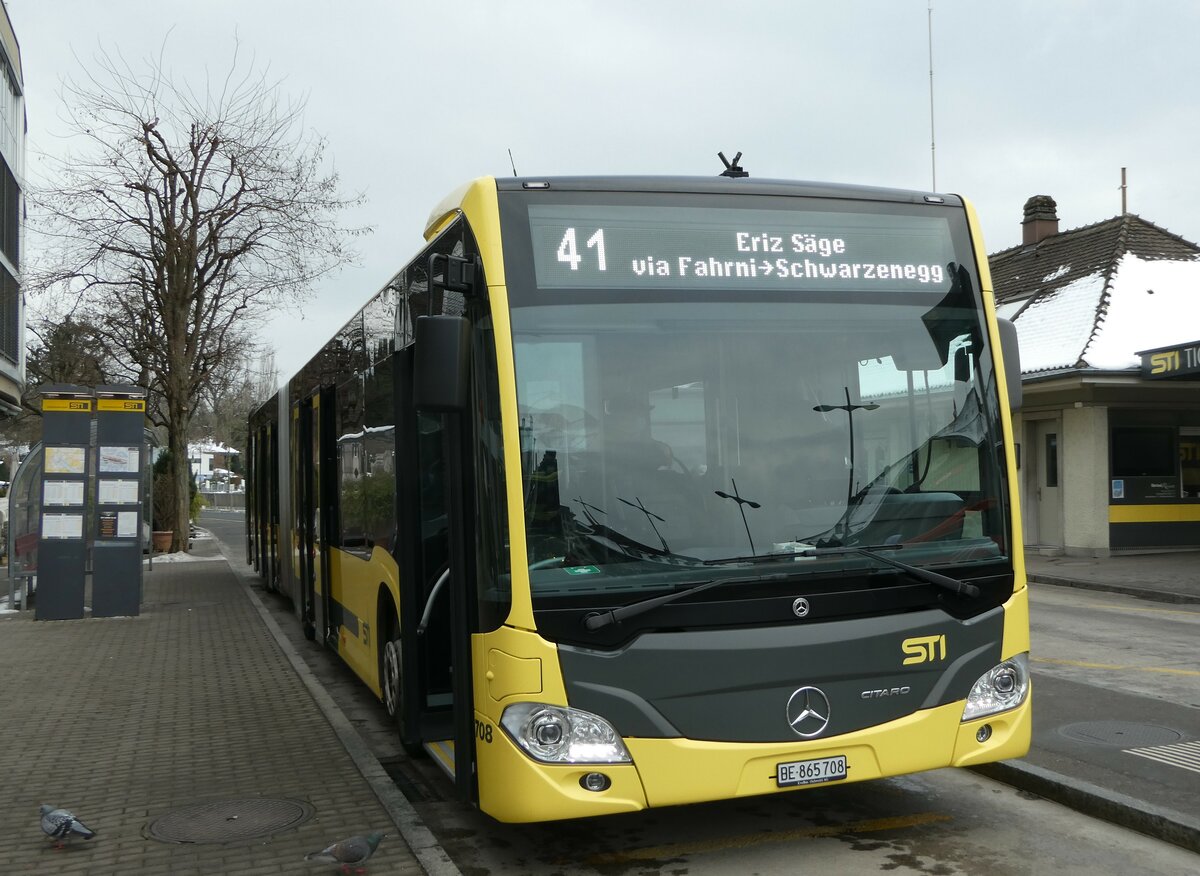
<point>668,436</point>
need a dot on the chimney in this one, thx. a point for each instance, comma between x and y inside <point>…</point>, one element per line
<point>1041,219</point>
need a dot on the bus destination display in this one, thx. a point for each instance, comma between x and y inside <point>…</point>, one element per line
<point>630,247</point>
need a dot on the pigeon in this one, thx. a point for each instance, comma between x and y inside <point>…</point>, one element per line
<point>61,826</point>
<point>348,852</point>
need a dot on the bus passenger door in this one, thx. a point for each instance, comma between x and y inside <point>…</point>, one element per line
<point>302,417</point>
<point>434,551</point>
<point>430,612</point>
<point>423,710</point>
<point>324,515</point>
<point>271,517</point>
<point>441,392</point>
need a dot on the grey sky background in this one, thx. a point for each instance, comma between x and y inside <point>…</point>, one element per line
<point>1031,97</point>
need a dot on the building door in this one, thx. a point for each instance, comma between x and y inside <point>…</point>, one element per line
<point>1045,495</point>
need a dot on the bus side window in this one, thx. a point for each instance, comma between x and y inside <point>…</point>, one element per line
<point>350,468</point>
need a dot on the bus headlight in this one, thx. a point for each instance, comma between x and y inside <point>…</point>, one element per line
<point>1001,688</point>
<point>557,734</point>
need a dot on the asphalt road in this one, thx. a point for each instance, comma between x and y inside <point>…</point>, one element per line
<point>945,823</point>
<point>1117,698</point>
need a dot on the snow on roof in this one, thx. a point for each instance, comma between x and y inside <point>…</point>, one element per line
<point>1151,304</point>
<point>210,447</point>
<point>1054,329</point>
<point>1062,271</point>
<point>1147,304</point>
<point>1008,309</point>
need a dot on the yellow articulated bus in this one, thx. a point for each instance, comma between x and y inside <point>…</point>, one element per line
<point>632,492</point>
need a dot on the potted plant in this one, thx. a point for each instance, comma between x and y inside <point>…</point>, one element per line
<point>162,511</point>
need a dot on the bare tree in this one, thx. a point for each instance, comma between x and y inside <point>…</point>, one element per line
<point>224,411</point>
<point>182,220</point>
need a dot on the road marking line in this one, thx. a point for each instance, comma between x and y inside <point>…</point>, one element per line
<point>1185,755</point>
<point>1083,664</point>
<point>675,850</point>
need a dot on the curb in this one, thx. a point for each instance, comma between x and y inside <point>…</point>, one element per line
<point>425,847</point>
<point>1139,592</point>
<point>1092,800</point>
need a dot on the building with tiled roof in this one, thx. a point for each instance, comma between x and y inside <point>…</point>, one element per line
<point>1108,317</point>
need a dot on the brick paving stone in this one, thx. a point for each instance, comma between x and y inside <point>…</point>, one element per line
<point>123,720</point>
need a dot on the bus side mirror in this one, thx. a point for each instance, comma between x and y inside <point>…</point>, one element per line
<point>441,366</point>
<point>1010,350</point>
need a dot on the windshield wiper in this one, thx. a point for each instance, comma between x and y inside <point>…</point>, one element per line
<point>625,545</point>
<point>761,558</point>
<point>960,588</point>
<point>599,620</point>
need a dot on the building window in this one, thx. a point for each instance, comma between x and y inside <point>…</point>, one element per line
<point>10,317</point>
<point>10,216</point>
<point>1144,451</point>
<point>1189,461</point>
<point>1051,459</point>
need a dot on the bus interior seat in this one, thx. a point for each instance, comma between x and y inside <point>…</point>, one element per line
<point>908,517</point>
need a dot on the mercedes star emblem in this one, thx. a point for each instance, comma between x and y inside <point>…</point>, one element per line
<point>808,712</point>
<point>800,607</point>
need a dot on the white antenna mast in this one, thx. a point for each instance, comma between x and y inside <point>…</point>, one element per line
<point>932,138</point>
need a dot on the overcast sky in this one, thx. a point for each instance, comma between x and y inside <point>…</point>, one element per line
<point>1034,97</point>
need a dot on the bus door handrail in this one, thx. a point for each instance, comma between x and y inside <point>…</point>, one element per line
<point>441,581</point>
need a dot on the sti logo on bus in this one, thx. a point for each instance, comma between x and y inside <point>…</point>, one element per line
<point>924,649</point>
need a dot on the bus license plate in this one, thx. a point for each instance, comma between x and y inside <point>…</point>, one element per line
<point>811,772</point>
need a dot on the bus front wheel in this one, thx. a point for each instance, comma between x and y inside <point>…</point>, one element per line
<point>392,685</point>
<point>391,678</point>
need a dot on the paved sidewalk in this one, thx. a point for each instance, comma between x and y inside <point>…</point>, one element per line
<point>125,720</point>
<point>1164,577</point>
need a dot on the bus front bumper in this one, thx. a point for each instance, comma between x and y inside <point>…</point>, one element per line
<point>669,772</point>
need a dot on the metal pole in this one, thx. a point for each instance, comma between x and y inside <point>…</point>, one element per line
<point>932,138</point>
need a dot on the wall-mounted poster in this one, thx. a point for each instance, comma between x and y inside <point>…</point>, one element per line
<point>127,524</point>
<point>62,493</point>
<point>62,526</point>
<point>118,492</point>
<point>66,460</point>
<point>125,460</point>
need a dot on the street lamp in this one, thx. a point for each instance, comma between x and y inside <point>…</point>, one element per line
<point>742,502</point>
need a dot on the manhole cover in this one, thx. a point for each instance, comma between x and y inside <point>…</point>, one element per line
<point>227,821</point>
<point>1122,733</point>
